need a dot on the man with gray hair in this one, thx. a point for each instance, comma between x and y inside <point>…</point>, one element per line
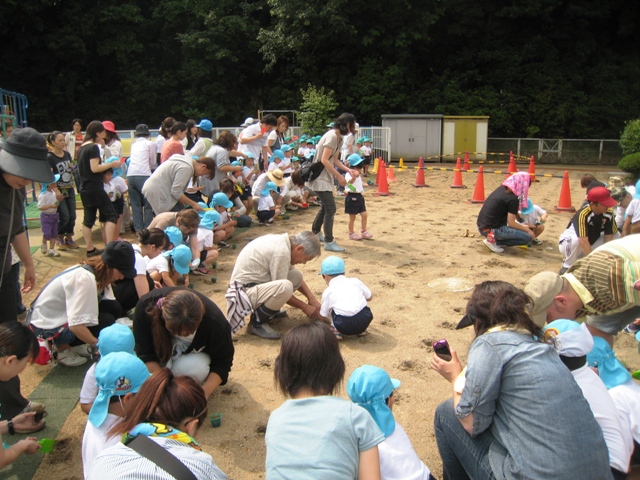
<point>264,279</point>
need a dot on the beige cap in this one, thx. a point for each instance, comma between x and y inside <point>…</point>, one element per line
<point>276,176</point>
<point>542,288</point>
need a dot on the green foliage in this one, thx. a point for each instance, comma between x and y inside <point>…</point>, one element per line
<point>631,164</point>
<point>317,109</point>
<point>630,138</point>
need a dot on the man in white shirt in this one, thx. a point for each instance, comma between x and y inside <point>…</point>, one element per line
<point>253,139</point>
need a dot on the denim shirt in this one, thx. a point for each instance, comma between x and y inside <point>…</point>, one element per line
<point>542,424</point>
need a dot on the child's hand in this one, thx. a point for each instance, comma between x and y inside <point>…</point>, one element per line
<point>30,445</point>
<point>355,173</point>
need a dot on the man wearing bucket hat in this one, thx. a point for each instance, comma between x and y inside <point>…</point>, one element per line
<point>372,389</point>
<point>118,374</point>
<point>599,286</point>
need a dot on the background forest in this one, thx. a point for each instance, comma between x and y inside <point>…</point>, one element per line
<point>548,68</point>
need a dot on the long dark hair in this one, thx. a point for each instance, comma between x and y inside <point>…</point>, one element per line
<point>18,340</point>
<point>342,123</point>
<point>165,128</point>
<point>93,129</point>
<point>101,271</point>
<point>495,303</point>
<point>153,236</point>
<point>191,139</point>
<point>178,312</point>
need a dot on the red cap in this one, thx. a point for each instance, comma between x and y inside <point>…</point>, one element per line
<point>109,126</point>
<point>601,195</point>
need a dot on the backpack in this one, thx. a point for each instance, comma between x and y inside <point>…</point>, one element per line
<point>309,171</point>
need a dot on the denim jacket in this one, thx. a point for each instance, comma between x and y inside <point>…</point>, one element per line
<point>543,426</point>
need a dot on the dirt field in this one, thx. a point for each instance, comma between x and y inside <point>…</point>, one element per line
<point>419,256</point>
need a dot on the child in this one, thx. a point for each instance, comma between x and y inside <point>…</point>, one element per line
<point>220,202</point>
<point>48,206</point>
<point>276,160</point>
<point>296,195</point>
<point>345,299</point>
<point>372,389</point>
<point>119,376</point>
<point>632,218</point>
<point>534,217</point>
<point>624,198</point>
<point>266,206</point>
<point>302,151</point>
<point>366,154</point>
<point>249,171</point>
<point>175,271</point>
<point>314,431</point>
<point>208,251</point>
<point>354,203</point>
<point>285,165</point>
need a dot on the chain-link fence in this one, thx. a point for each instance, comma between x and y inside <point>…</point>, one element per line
<point>561,151</point>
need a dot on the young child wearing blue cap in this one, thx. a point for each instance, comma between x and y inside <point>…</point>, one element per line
<point>119,376</point>
<point>534,217</point>
<point>48,206</point>
<point>177,267</point>
<point>345,300</point>
<point>371,388</point>
<point>208,250</point>
<point>267,209</point>
<point>220,203</point>
<point>276,160</point>
<point>366,154</point>
<point>354,202</point>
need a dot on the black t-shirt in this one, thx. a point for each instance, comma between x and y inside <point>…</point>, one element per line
<point>9,231</point>
<point>493,213</point>
<point>63,167</point>
<point>588,224</point>
<point>92,186</point>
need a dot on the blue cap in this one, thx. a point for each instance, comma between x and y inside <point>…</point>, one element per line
<point>181,258</point>
<point>285,148</point>
<point>205,125</point>
<point>268,188</point>
<point>310,153</point>
<point>303,139</point>
<point>295,159</point>
<point>236,163</point>
<point>117,374</point>
<point>360,140</point>
<point>56,179</point>
<point>611,371</point>
<point>222,200</point>
<point>354,159</point>
<point>276,154</point>
<point>117,169</point>
<point>369,387</point>
<point>175,235</point>
<point>116,338</point>
<point>332,265</point>
<point>570,338</point>
<point>529,209</point>
<point>330,124</point>
<point>249,155</point>
<point>210,218</point>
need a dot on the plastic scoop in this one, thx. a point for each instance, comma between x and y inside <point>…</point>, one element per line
<point>47,445</point>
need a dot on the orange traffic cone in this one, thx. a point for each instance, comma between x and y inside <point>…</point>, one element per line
<point>564,203</point>
<point>420,178</point>
<point>381,168</point>
<point>457,176</point>
<point>512,165</point>
<point>420,163</point>
<point>466,166</point>
<point>532,169</point>
<point>391,176</point>
<point>478,192</point>
<point>383,186</point>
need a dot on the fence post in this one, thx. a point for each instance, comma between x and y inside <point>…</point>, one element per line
<point>540,144</point>
<point>600,153</point>
<point>560,150</point>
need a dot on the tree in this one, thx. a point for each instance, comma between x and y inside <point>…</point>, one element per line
<point>317,109</point>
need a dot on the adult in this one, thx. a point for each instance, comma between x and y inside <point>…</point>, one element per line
<point>494,426</point>
<point>173,145</point>
<point>192,134</point>
<point>186,332</point>
<point>61,164</point>
<point>205,134</point>
<point>497,220</point>
<point>328,153</point>
<point>219,152</point>
<point>187,222</point>
<point>275,140</point>
<point>163,135</point>
<point>264,279</point>
<point>74,139</point>
<point>164,190</point>
<point>112,143</point>
<point>92,193</point>
<point>151,243</point>
<point>253,139</point>
<point>168,410</point>
<point>17,347</point>
<point>77,303</point>
<point>23,159</point>
<point>276,176</point>
<point>239,211</point>
<point>591,226</point>
<point>600,286</point>
<point>141,163</point>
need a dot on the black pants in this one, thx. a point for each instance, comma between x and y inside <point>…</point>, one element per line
<point>354,325</point>
<point>126,293</point>
<point>108,312</point>
<point>9,309</point>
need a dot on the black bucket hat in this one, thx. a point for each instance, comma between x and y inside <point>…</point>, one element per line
<point>24,154</point>
<point>119,254</point>
<point>142,131</point>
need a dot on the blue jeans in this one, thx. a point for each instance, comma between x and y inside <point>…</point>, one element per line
<point>509,237</point>
<point>463,457</point>
<point>140,207</point>
<point>67,214</point>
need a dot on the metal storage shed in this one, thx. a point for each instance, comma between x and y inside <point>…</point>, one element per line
<point>465,134</point>
<point>414,136</point>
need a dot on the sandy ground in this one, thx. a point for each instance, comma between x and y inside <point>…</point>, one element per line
<point>419,244</point>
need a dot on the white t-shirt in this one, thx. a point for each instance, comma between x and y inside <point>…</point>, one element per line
<point>205,238</point>
<point>348,146</point>
<point>533,217</point>
<point>633,210</point>
<point>120,185</point>
<point>143,158</point>
<point>302,152</point>
<point>159,264</point>
<point>250,174</point>
<point>95,440</point>
<point>398,459</point>
<point>110,188</point>
<point>357,183</point>
<point>265,203</point>
<point>47,198</point>
<point>274,165</point>
<point>345,296</point>
<point>259,184</point>
<point>366,151</point>
<point>255,146</point>
<point>141,263</point>
<point>627,400</point>
<point>285,165</point>
<point>89,390</point>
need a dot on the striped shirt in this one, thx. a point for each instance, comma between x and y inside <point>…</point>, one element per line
<point>588,224</point>
<point>604,279</point>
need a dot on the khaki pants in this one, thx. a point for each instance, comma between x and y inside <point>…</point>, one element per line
<point>274,295</point>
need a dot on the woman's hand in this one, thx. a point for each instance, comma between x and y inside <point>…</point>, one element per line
<point>449,370</point>
<point>25,421</point>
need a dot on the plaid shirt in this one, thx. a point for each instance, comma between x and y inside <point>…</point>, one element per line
<point>604,279</point>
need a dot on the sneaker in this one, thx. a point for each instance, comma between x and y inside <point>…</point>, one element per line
<point>43,248</point>
<point>223,244</point>
<point>631,329</point>
<point>69,358</point>
<point>265,224</point>
<point>316,203</point>
<point>94,253</point>
<point>52,253</point>
<point>333,247</point>
<point>293,208</point>
<point>354,236</point>
<point>492,246</point>
<point>320,237</point>
<point>83,350</point>
<point>70,243</point>
<point>126,321</point>
<point>366,234</point>
<point>536,241</point>
<point>263,331</point>
<point>340,193</point>
<point>61,244</point>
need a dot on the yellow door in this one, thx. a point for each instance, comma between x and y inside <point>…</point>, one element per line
<point>465,136</point>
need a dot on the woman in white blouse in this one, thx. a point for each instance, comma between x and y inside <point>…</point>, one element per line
<point>77,303</point>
